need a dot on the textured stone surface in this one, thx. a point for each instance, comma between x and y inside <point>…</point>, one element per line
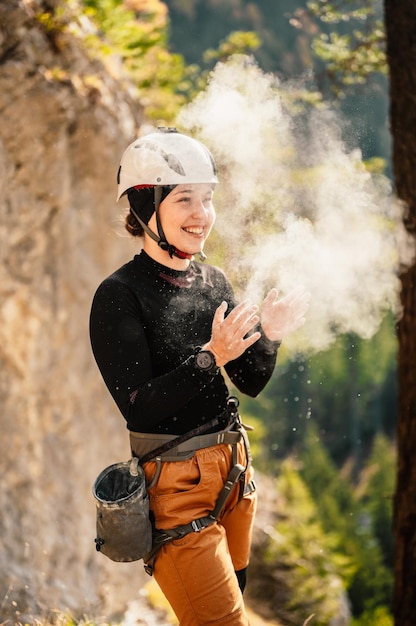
<point>60,143</point>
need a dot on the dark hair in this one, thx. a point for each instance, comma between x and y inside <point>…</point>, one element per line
<point>132,225</point>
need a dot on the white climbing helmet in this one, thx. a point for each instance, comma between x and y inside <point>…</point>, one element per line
<point>165,157</point>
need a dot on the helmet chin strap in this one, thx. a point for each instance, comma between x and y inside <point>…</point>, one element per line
<point>161,238</point>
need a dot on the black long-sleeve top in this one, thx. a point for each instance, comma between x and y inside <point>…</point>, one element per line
<point>146,322</point>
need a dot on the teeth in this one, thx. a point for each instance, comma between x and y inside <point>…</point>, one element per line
<point>194,231</point>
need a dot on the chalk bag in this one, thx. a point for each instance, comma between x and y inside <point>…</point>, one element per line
<point>124,530</point>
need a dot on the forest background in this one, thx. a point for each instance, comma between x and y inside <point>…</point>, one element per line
<point>325,425</point>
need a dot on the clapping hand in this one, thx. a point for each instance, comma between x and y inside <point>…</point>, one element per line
<point>232,335</point>
<point>281,317</point>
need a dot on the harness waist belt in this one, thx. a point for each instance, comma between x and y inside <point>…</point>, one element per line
<point>143,443</point>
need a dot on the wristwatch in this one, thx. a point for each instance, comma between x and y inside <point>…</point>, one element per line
<point>205,362</point>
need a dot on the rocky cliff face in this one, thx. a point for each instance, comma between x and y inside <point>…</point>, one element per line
<point>64,123</point>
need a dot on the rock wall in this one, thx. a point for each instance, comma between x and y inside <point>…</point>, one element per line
<point>64,123</point>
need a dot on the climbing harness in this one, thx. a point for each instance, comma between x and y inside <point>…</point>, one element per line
<point>177,450</point>
<point>162,537</point>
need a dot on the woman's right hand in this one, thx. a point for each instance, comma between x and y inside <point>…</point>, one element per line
<point>228,339</point>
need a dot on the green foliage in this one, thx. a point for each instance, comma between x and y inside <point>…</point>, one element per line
<point>341,11</point>
<point>237,42</point>
<point>140,40</point>
<point>350,57</point>
<point>372,586</point>
<point>331,491</point>
<point>379,491</point>
<point>379,617</point>
<point>129,33</point>
<point>133,42</point>
<point>361,516</point>
<point>314,568</point>
<point>375,165</point>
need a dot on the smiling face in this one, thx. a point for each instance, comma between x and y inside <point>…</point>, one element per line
<point>187,215</point>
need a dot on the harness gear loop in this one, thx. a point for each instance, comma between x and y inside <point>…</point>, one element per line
<point>156,475</point>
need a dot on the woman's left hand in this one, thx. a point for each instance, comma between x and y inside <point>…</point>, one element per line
<point>281,317</point>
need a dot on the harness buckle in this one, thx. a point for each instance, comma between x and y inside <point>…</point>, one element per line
<point>197,525</point>
<point>160,537</point>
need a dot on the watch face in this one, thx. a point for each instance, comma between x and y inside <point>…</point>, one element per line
<point>205,360</point>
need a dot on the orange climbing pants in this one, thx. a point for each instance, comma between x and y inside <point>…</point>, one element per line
<point>197,573</point>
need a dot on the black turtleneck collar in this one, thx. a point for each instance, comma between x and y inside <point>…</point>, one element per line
<point>178,278</point>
